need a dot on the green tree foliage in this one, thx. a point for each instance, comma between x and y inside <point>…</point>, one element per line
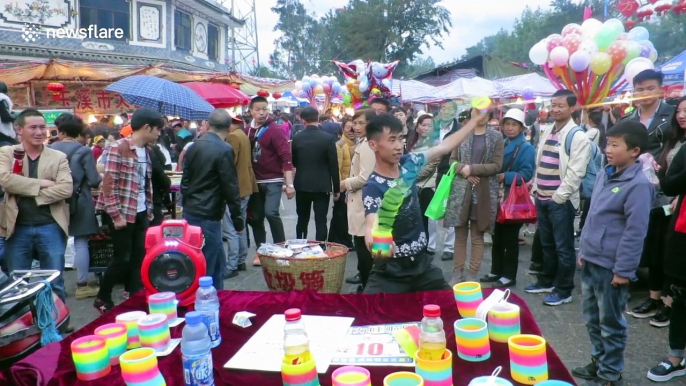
<point>378,30</point>
<point>668,33</point>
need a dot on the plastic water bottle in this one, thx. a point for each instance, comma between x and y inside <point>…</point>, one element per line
<point>207,303</point>
<point>296,344</point>
<point>432,336</point>
<point>196,352</point>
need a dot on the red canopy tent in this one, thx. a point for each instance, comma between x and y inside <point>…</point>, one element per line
<point>218,95</point>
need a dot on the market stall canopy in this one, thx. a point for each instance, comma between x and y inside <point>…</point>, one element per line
<point>218,95</point>
<point>252,84</point>
<point>290,97</point>
<point>674,69</point>
<point>462,88</point>
<point>17,72</point>
<point>165,96</point>
<point>514,86</point>
<point>412,90</point>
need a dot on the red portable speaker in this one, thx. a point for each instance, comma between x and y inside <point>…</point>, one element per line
<point>174,261</point>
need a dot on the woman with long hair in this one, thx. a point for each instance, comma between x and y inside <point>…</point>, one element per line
<point>338,229</point>
<point>361,166</point>
<point>659,230</point>
<point>408,134</point>
<point>473,201</point>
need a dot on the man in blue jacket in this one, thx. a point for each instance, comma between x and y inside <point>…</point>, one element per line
<point>610,250</point>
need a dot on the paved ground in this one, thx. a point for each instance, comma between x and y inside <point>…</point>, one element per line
<point>563,326</point>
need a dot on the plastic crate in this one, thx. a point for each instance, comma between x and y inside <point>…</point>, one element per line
<point>101,251</point>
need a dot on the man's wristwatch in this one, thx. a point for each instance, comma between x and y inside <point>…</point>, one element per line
<point>291,186</point>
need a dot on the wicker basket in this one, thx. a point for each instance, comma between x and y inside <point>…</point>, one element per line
<point>101,252</point>
<point>320,274</point>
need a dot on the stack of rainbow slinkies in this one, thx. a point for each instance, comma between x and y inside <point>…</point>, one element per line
<point>471,335</point>
<point>139,367</point>
<point>435,373</point>
<point>91,357</point>
<point>163,303</point>
<point>115,337</point>
<point>304,374</point>
<point>503,322</point>
<point>468,298</point>
<point>154,332</point>
<point>130,319</point>
<point>528,360</point>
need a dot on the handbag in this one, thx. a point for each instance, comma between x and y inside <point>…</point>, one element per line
<point>680,225</point>
<point>436,208</point>
<point>517,207</point>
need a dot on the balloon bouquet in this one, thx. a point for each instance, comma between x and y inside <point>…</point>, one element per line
<point>366,81</point>
<point>312,86</point>
<point>590,59</point>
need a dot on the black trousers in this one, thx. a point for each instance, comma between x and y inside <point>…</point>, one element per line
<point>537,250</point>
<point>585,206</point>
<point>158,215</point>
<point>365,262</point>
<point>505,250</point>
<point>406,275</point>
<point>129,251</point>
<point>338,228</point>
<point>304,202</point>
<point>425,197</point>
<point>654,249</point>
<point>677,332</point>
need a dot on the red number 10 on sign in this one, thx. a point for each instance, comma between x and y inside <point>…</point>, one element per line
<point>373,349</point>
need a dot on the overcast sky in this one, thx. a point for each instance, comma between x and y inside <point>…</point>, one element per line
<point>472,21</point>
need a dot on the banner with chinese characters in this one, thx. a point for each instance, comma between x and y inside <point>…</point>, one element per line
<point>84,98</point>
<point>373,346</point>
<point>19,94</point>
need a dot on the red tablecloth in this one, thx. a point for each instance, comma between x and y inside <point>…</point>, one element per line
<point>52,365</point>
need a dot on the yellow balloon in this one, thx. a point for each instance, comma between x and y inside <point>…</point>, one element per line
<point>481,103</point>
<point>601,63</point>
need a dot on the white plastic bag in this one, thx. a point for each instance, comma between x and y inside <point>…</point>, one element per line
<point>69,254</point>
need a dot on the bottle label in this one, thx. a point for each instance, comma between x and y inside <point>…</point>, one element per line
<point>198,371</point>
<point>211,320</point>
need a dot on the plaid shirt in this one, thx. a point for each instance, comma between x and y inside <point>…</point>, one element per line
<point>119,193</point>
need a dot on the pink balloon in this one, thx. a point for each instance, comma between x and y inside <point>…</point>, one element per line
<point>570,29</point>
<point>327,88</point>
<point>572,42</point>
<point>554,41</point>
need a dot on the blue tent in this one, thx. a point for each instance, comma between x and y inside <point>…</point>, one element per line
<point>674,69</point>
<point>289,96</point>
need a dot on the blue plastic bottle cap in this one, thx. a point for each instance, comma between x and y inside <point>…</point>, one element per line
<point>193,318</point>
<point>206,281</point>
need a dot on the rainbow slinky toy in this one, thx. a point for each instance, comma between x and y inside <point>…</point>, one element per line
<point>154,331</point>
<point>91,358</point>
<point>435,373</point>
<point>403,378</point>
<point>503,322</point>
<point>351,376</point>
<point>471,335</point>
<point>304,374</point>
<point>163,303</point>
<point>468,298</point>
<point>528,360</point>
<point>115,337</point>
<point>130,319</point>
<point>139,368</point>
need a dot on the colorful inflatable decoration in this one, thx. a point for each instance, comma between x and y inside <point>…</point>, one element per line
<point>310,87</point>
<point>366,81</point>
<point>591,58</point>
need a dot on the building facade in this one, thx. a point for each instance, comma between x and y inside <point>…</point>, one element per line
<point>185,34</point>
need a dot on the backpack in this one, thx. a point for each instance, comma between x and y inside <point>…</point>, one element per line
<point>593,167</point>
<point>74,199</point>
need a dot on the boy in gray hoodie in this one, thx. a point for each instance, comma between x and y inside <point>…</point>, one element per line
<point>610,250</point>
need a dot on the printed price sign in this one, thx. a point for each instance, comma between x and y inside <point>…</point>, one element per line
<point>373,346</point>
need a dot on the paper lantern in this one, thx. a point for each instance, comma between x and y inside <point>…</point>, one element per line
<point>276,95</point>
<point>55,87</point>
<point>263,93</point>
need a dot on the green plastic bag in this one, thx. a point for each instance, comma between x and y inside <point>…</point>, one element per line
<point>436,209</point>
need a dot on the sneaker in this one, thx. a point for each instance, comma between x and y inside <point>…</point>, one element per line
<point>84,291</point>
<point>554,299</point>
<point>538,289</point>
<point>241,267</point>
<point>589,372</point>
<point>490,278</point>
<point>230,274</point>
<point>354,279</point>
<point>661,319</point>
<point>535,269</point>
<point>504,283</point>
<point>458,277</point>
<point>447,256</point>
<point>102,306</point>
<point>647,309</point>
<point>666,371</point>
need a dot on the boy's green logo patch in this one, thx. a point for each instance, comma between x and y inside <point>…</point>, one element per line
<point>615,189</point>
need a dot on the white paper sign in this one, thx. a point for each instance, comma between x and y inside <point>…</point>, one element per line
<point>373,346</point>
<point>264,351</point>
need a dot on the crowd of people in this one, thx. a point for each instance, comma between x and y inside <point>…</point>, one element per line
<point>236,170</point>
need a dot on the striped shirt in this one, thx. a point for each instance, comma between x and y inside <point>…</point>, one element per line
<point>548,177</point>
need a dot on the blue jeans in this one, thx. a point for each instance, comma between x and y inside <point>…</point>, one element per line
<point>266,204</point>
<point>47,243</point>
<point>556,227</point>
<point>238,243</point>
<point>3,263</point>
<point>213,249</point>
<point>603,308</point>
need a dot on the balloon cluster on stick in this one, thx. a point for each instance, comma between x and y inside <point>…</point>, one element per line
<point>312,86</point>
<point>590,59</point>
<point>366,81</point>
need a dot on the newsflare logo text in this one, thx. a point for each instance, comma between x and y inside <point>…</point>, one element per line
<point>32,31</point>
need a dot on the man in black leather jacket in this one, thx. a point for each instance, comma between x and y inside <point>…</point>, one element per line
<point>208,186</point>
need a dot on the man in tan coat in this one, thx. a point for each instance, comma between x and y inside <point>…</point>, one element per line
<point>247,185</point>
<point>35,218</point>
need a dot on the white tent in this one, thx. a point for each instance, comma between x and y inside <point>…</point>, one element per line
<point>515,85</point>
<point>463,88</point>
<point>412,90</point>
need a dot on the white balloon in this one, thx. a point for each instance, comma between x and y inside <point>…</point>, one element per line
<point>589,46</point>
<point>590,28</point>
